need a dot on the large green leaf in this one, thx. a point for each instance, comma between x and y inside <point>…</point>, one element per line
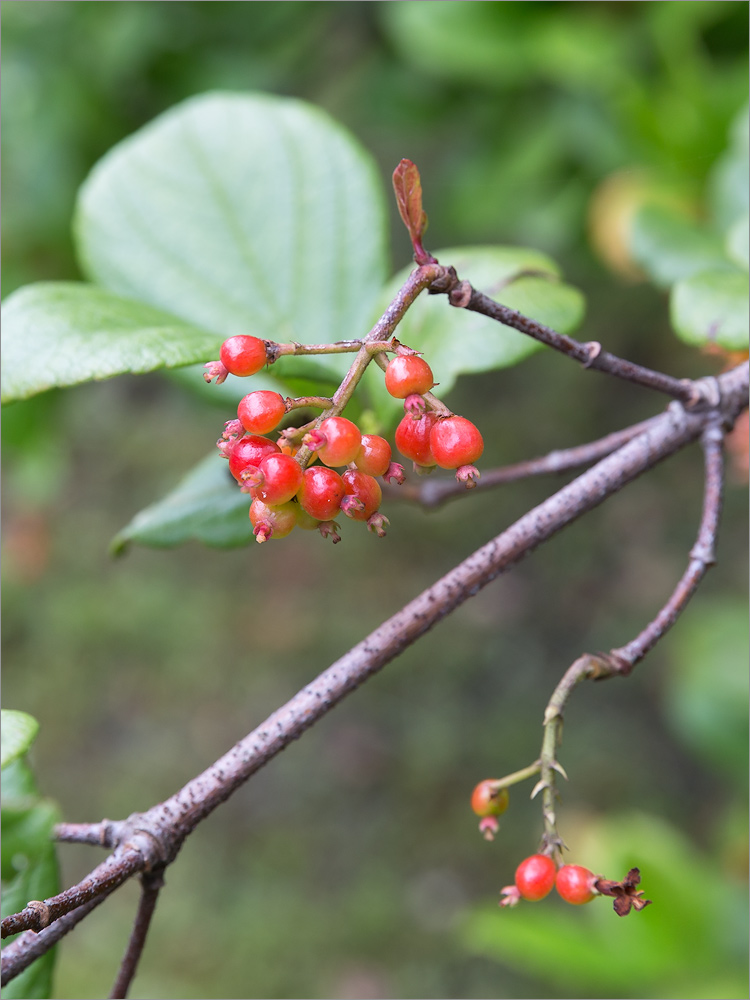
<point>711,307</point>
<point>244,213</point>
<point>29,866</point>
<point>17,732</point>
<point>669,246</point>
<point>456,341</point>
<point>64,333</point>
<point>206,506</point>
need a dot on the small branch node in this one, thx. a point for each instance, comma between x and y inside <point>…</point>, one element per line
<point>42,913</point>
<point>460,296</point>
<point>704,553</point>
<point>705,393</point>
<point>593,349</point>
<point>446,281</point>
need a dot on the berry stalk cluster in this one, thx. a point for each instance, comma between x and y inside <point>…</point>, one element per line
<point>310,474</point>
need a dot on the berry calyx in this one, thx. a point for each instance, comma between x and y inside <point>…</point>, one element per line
<point>535,877</point>
<point>242,355</point>
<point>272,521</point>
<point>281,478</point>
<point>413,438</point>
<point>408,374</point>
<point>337,441</point>
<point>363,495</point>
<point>374,455</point>
<point>321,492</point>
<point>575,884</point>
<point>250,450</point>
<point>454,442</point>
<point>488,800</point>
<point>261,411</point>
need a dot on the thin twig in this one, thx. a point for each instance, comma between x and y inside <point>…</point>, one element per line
<point>85,833</point>
<point>590,355</point>
<point>431,493</point>
<point>151,884</point>
<point>702,557</point>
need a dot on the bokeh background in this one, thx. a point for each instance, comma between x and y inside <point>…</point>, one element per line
<point>351,866</point>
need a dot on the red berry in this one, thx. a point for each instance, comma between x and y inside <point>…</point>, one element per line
<point>281,479</point>
<point>374,455</point>
<point>342,441</point>
<point>535,877</point>
<point>243,355</point>
<point>250,450</point>
<point>365,494</point>
<point>321,492</point>
<point>408,374</point>
<point>261,411</point>
<point>455,441</point>
<point>413,438</point>
<point>272,522</point>
<point>575,884</point>
<point>486,800</point>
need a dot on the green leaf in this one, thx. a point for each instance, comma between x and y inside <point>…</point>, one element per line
<point>206,506</point>
<point>64,333</point>
<point>29,866</point>
<point>712,308</point>
<point>738,242</point>
<point>244,213</point>
<point>17,732</point>
<point>668,245</point>
<point>706,699</point>
<point>456,341</point>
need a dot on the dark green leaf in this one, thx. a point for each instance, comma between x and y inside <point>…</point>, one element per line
<point>17,732</point>
<point>207,506</point>
<point>712,308</point>
<point>64,333</point>
<point>246,213</point>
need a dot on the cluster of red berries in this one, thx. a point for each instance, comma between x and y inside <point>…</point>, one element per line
<point>288,492</point>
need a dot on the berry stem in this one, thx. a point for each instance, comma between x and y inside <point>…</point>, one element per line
<point>419,279</point>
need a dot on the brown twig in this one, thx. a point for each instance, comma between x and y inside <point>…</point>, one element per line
<point>590,355</point>
<point>151,884</point>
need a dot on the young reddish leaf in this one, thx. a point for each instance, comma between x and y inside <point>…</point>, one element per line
<point>408,188</point>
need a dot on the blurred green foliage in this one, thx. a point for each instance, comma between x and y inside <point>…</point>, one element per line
<point>352,867</point>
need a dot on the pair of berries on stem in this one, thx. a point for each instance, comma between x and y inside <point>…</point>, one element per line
<point>288,494</point>
<point>538,874</point>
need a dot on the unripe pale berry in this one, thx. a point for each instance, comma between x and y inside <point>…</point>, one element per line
<point>272,521</point>
<point>243,355</point>
<point>486,800</point>
<point>535,877</point>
